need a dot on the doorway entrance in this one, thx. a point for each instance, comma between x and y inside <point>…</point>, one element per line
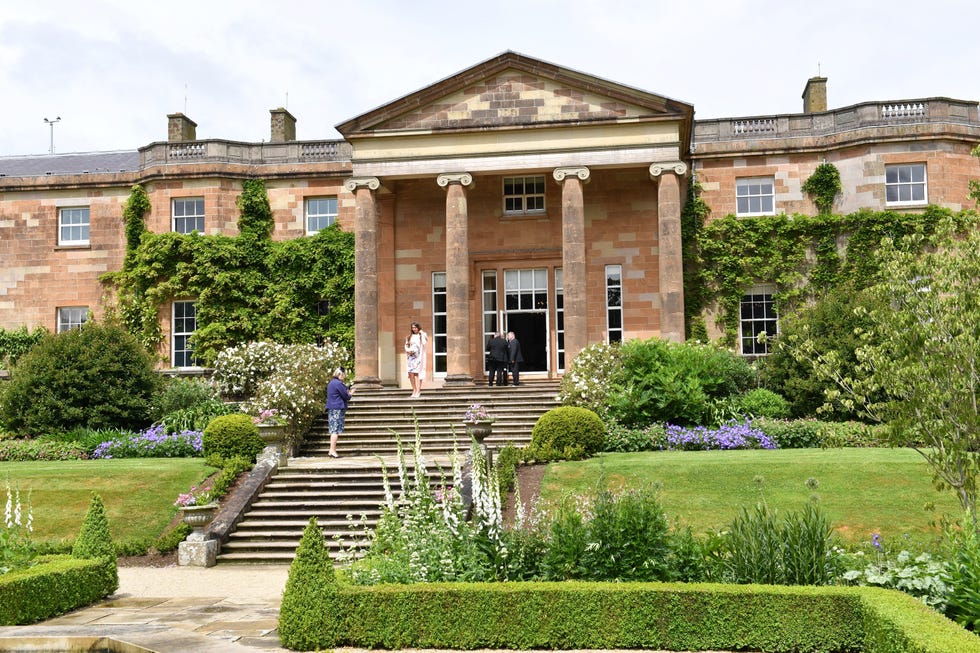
<point>531,330</point>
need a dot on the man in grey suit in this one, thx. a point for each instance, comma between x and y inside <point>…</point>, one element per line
<point>514,356</point>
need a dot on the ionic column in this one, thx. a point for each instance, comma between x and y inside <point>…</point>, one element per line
<point>366,288</point>
<point>671,259</point>
<point>457,279</point>
<point>573,258</point>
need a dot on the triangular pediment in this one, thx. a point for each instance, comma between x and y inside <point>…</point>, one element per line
<point>512,90</point>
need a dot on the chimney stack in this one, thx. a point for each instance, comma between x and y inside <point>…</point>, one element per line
<point>180,128</point>
<point>815,95</point>
<point>283,126</point>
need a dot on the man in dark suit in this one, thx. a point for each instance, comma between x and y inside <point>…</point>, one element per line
<point>497,349</point>
<point>515,357</point>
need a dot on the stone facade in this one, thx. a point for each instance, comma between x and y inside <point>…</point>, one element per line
<point>423,181</point>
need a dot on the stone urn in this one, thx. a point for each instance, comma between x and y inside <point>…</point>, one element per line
<point>271,434</point>
<point>198,517</point>
<point>276,449</point>
<point>479,430</point>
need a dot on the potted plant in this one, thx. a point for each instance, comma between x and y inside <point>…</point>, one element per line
<point>478,422</point>
<point>271,425</point>
<point>197,509</point>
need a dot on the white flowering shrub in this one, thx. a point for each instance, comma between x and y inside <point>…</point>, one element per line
<point>290,379</point>
<point>591,376</point>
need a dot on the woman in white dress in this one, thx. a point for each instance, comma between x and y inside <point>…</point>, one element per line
<point>415,346</point>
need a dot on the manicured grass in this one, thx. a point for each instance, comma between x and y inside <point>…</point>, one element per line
<point>138,493</point>
<point>863,491</point>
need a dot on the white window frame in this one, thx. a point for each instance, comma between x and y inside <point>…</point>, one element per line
<point>900,178</point>
<point>181,351</point>
<point>518,201</point>
<point>749,190</point>
<point>71,317</point>
<point>439,339</point>
<point>321,212</point>
<point>195,217</point>
<point>74,225</point>
<point>560,318</point>
<point>614,309</point>
<point>491,322</point>
<point>758,302</point>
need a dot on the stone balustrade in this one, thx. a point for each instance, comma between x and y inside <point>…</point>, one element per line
<point>222,151</point>
<point>855,117</point>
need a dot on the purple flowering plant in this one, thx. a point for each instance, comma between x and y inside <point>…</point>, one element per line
<point>734,435</point>
<point>153,442</point>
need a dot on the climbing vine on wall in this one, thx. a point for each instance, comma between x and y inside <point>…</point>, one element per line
<point>803,256</point>
<point>823,187</point>
<point>246,287</point>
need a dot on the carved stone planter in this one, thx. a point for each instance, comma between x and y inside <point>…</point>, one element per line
<point>198,517</point>
<point>479,431</point>
<point>276,449</point>
<point>196,550</point>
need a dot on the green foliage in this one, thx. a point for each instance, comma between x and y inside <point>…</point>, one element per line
<point>832,324</point>
<point>505,465</point>
<point>963,579</point>
<point>567,427</point>
<point>660,381</point>
<point>134,213</point>
<point>731,254</point>
<point>85,438</point>
<point>96,377</point>
<point>629,538</point>
<point>823,187</point>
<point>94,540</point>
<point>57,585</point>
<point>180,394</point>
<point>171,539</point>
<point>230,436</point>
<point>29,450</point>
<point>759,547</point>
<point>918,366</point>
<point>919,575</point>
<point>693,216</point>
<point>760,402</point>
<point>625,439</point>
<point>307,617</point>
<point>246,287</point>
<point>17,342</point>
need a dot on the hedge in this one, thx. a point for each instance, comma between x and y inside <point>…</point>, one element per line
<point>57,584</point>
<point>576,615</point>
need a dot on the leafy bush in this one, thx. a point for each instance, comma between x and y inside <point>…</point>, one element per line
<point>86,438</point>
<point>57,584</point>
<point>286,378</point>
<point>154,442</point>
<point>29,450</point>
<point>180,394</point>
<point>661,381</point>
<point>632,526</point>
<point>791,434</point>
<point>624,439</point>
<point>197,417</point>
<point>963,580</point>
<point>760,402</point>
<point>918,575</point>
<point>229,436</point>
<point>97,377</point>
<point>588,380</point>
<point>568,427</point>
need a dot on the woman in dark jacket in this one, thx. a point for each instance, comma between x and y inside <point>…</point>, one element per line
<point>337,397</point>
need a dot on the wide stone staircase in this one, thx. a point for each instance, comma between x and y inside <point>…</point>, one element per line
<point>345,494</point>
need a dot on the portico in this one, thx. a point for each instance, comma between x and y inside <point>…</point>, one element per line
<point>515,195</point>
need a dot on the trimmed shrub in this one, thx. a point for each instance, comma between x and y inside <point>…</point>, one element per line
<point>98,377</point>
<point>791,434</point>
<point>763,403</point>
<point>229,436</point>
<point>310,595</point>
<point>57,584</point>
<point>567,427</point>
<point>94,540</point>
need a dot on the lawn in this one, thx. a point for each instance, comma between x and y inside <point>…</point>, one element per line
<point>863,491</point>
<point>138,493</point>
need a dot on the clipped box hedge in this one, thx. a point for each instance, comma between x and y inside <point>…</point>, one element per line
<point>57,584</point>
<point>576,615</point>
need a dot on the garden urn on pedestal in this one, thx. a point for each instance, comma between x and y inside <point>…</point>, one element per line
<point>197,550</point>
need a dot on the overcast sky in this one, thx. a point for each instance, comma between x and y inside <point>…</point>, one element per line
<point>113,69</point>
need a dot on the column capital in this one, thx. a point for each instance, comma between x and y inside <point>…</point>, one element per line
<point>462,178</point>
<point>572,171</point>
<point>353,183</point>
<point>678,167</point>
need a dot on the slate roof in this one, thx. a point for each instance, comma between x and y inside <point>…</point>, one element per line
<point>69,164</point>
